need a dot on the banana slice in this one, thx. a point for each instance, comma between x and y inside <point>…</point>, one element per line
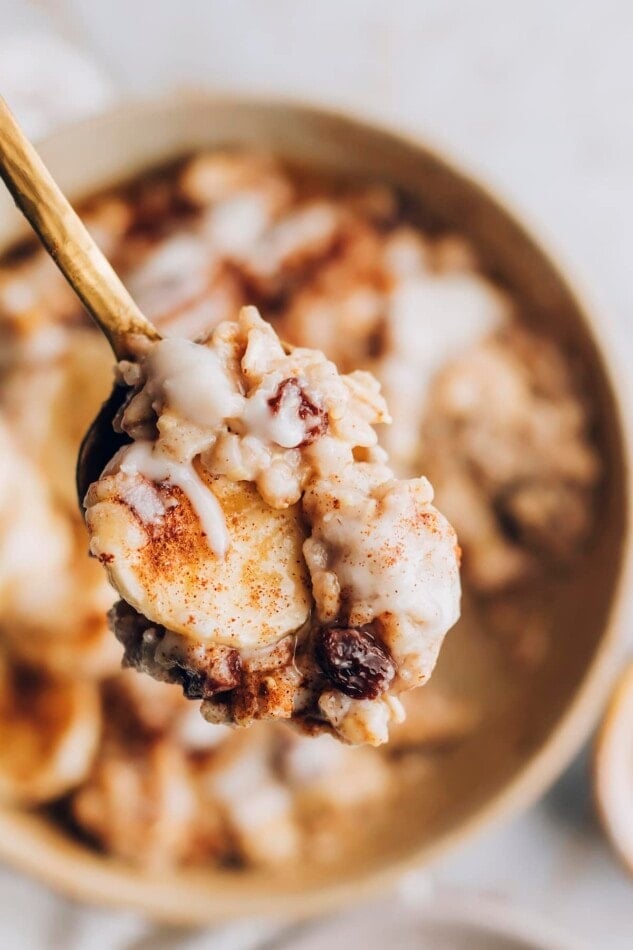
<point>612,771</point>
<point>250,597</point>
<point>49,730</point>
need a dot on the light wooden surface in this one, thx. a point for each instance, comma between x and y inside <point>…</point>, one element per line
<point>537,100</point>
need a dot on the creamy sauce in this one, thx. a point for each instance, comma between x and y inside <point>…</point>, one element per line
<point>145,458</point>
<point>188,378</point>
<point>191,382</point>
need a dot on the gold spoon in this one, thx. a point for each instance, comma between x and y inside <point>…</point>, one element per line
<point>87,271</point>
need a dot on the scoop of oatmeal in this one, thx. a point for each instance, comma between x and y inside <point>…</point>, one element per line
<point>266,556</point>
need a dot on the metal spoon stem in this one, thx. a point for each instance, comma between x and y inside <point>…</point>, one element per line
<point>67,240</point>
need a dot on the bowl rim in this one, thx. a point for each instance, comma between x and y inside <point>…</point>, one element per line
<point>555,753</point>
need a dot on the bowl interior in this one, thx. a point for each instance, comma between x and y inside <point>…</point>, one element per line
<point>529,727</point>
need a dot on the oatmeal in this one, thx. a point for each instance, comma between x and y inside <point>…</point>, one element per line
<point>262,797</point>
<point>346,268</point>
<point>277,567</point>
<point>520,481</point>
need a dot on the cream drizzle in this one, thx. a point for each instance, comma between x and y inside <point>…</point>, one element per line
<point>190,380</point>
<point>146,458</point>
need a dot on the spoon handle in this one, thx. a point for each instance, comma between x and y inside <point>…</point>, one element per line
<point>66,239</point>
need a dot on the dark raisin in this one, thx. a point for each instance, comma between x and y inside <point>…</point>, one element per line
<point>354,661</point>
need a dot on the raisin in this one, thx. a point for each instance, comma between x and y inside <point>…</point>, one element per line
<point>316,419</point>
<point>354,661</point>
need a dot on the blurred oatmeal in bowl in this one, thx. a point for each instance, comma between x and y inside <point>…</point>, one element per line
<point>492,410</point>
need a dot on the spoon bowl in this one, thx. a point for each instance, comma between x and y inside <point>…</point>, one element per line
<point>100,443</point>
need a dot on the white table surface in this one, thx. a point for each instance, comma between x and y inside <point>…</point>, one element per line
<point>537,98</point>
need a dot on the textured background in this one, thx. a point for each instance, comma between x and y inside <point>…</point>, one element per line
<point>535,97</point>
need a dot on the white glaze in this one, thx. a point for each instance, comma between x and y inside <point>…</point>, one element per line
<point>189,379</point>
<point>146,458</point>
<point>191,385</point>
<point>396,552</point>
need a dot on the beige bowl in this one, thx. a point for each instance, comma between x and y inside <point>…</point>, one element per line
<point>532,726</point>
